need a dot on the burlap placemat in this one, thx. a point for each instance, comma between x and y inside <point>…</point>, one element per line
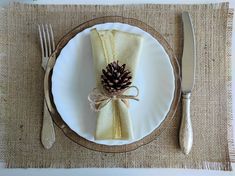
<point>21,86</point>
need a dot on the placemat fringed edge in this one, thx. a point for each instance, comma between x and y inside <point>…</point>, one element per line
<point>3,78</point>
<point>126,7</point>
<point>229,27</point>
<point>205,165</point>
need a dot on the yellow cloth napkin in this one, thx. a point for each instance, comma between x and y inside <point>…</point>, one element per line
<point>113,120</point>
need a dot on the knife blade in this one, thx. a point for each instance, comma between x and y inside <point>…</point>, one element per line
<point>188,73</point>
<point>188,58</point>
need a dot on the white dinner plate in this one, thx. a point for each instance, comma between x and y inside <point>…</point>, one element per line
<point>73,78</point>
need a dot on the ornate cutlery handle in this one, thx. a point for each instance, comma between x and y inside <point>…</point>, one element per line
<point>47,133</point>
<point>186,131</point>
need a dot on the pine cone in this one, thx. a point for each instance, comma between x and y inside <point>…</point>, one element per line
<point>115,79</point>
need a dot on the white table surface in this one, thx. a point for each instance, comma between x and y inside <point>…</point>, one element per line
<point>120,171</point>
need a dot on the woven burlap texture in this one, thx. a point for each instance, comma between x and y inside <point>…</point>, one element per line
<point>21,86</point>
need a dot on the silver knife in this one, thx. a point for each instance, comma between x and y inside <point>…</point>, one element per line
<point>188,72</point>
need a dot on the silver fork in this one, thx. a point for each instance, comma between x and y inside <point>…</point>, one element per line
<point>47,46</point>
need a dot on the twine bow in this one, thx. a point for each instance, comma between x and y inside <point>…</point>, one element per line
<point>99,99</point>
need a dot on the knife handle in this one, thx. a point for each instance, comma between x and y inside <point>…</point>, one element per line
<point>186,131</point>
<point>47,133</point>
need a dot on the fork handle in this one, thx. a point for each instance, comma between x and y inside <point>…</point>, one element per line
<point>186,130</point>
<point>47,133</point>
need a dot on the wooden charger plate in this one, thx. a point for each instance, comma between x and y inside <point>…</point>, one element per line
<point>89,144</point>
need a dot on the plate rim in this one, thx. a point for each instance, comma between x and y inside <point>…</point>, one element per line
<point>102,147</point>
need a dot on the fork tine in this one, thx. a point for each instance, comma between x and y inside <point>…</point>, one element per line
<point>45,42</point>
<point>52,37</point>
<point>41,40</point>
<point>48,41</point>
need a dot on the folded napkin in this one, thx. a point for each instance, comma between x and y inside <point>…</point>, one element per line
<point>113,120</point>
